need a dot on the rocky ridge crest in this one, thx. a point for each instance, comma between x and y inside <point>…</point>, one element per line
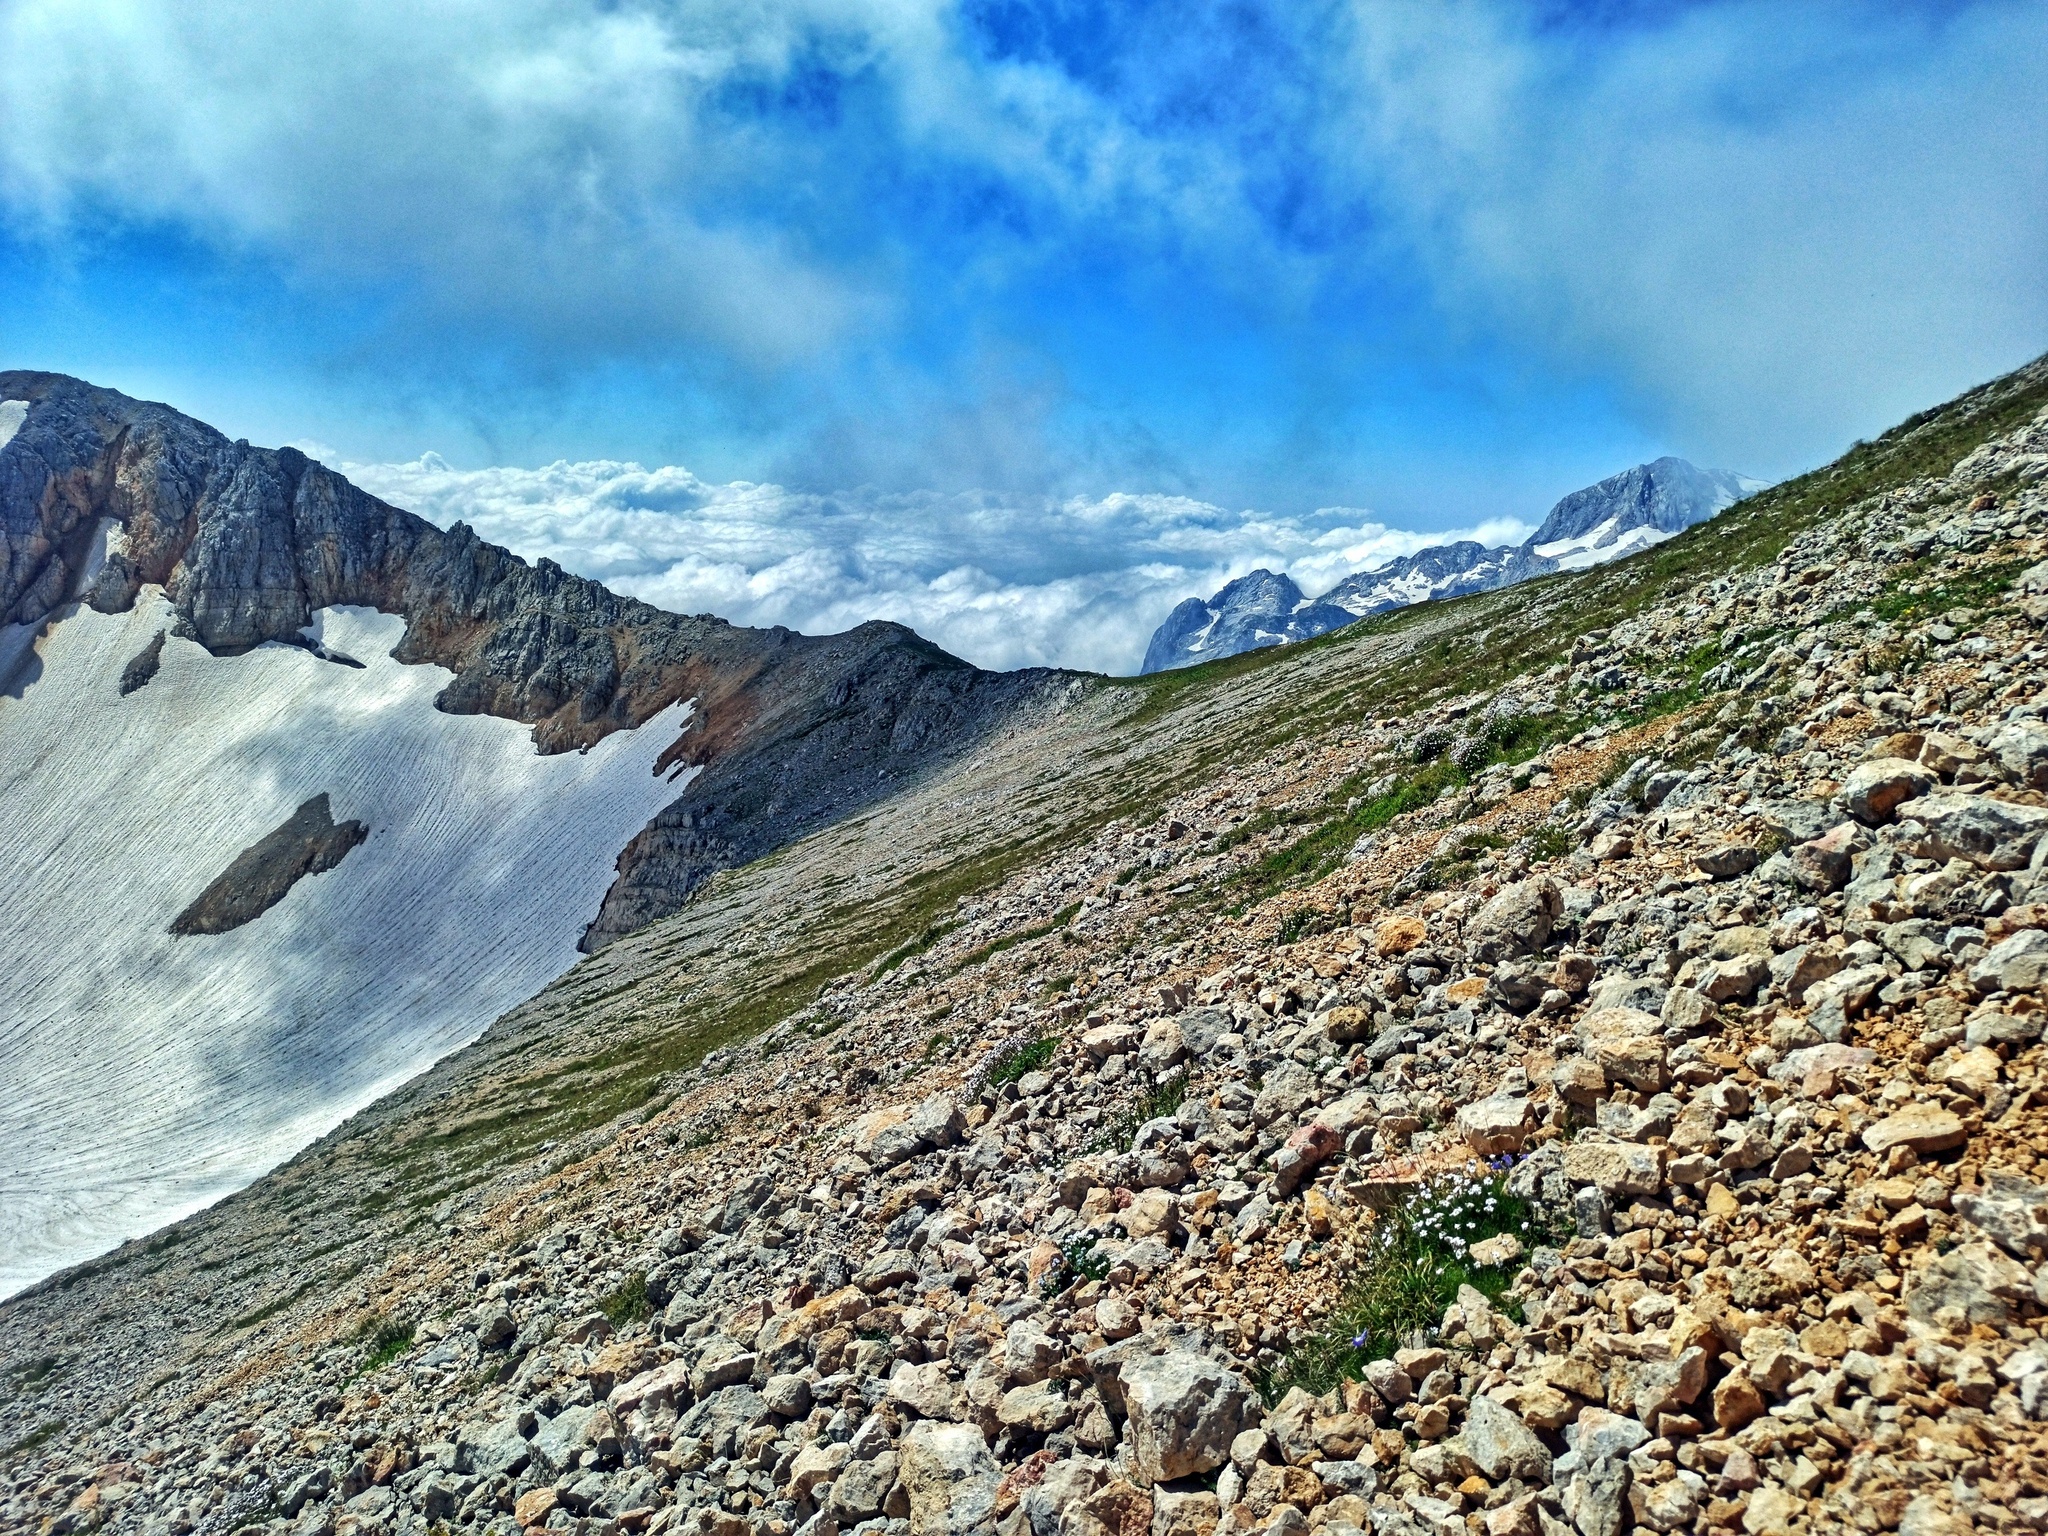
<point>101,494</point>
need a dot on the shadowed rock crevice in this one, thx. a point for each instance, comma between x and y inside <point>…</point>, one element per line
<point>310,843</point>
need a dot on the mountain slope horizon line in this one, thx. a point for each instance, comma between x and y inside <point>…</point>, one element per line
<point>102,495</point>
<point>1618,516</point>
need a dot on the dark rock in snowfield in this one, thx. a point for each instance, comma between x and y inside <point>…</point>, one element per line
<point>311,842</point>
<point>143,666</point>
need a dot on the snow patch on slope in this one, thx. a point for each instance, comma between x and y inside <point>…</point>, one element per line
<point>12,414</point>
<point>1598,545</point>
<point>149,1075</point>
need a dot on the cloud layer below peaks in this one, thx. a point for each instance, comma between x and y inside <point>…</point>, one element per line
<point>1002,583</point>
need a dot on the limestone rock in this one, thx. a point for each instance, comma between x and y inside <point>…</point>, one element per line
<point>1824,864</point>
<point>1992,834</point>
<point>1502,1444</point>
<point>1627,1045</point>
<point>1399,934</point>
<point>2021,747</point>
<point>1184,1409</point>
<point>1875,789</point>
<point>2011,1210</point>
<point>1495,1125</point>
<point>1919,1126</point>
<point>2015,964</point>
<point>1615,1168</point>
<point>1978,1282</point>
<point>1516,921</point>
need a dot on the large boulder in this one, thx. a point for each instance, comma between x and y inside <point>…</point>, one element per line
<point>1923,1127</point>
<point>864,1486</point>
<point>1308,1148</point>
<point>496,1450</point>
<point>559,1442</point>
<point>1992,834</point>
<point>1503,1445</point>
<point>1805,966</point>
<point>1615,1167</point>
<point>1497,1124</point>
<point>2021,747</point>
<point>1627,1044</point>
<point>1593,1477</point>
<point>1184,1410</point>
<point>1846,995</point>
<point>950,1479</point>
<point>1975,1284</point>
<point>720,1363</point>
<point>1516,921</point>
<point>2010,1210</point>
<point>1879,787</point>
<point>2015,964</point>
<point>937,1121</point>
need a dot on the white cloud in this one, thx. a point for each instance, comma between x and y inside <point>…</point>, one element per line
<point>1771,225</point>
<point>585,181</point>
<point>1001,582</point>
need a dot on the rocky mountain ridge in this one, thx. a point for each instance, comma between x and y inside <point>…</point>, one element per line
<point>1716,924</point>
<point>101,495</point>
<point>1621,515</point>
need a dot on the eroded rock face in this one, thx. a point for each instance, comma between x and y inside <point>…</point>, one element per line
<point>310,842</point>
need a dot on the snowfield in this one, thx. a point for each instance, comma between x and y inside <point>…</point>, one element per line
<point>1596,546</point>
<point>143,1076</point>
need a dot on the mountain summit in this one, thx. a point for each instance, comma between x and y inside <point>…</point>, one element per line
<point>1622,514</point>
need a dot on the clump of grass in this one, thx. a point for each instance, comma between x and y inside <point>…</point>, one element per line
<point>1162,1099</point>
<point>1550,841</point>
<point>38,1373</point>
<point>1078,1260</point>
<point>915,947</point>
<point>1013,1061</point>
<point>386,1339</point>
<point>1418,1256</point>
<point>629,1302</point>
<point>1319,851</point>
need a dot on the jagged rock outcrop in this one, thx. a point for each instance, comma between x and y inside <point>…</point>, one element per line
<point>1444,570</point>
<point>101,495</point>
<point>1667,495</point>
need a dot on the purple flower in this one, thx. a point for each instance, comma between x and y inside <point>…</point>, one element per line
<point>1362,1338</point>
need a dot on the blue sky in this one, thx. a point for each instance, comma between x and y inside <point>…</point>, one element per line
<point>1018,320</point>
